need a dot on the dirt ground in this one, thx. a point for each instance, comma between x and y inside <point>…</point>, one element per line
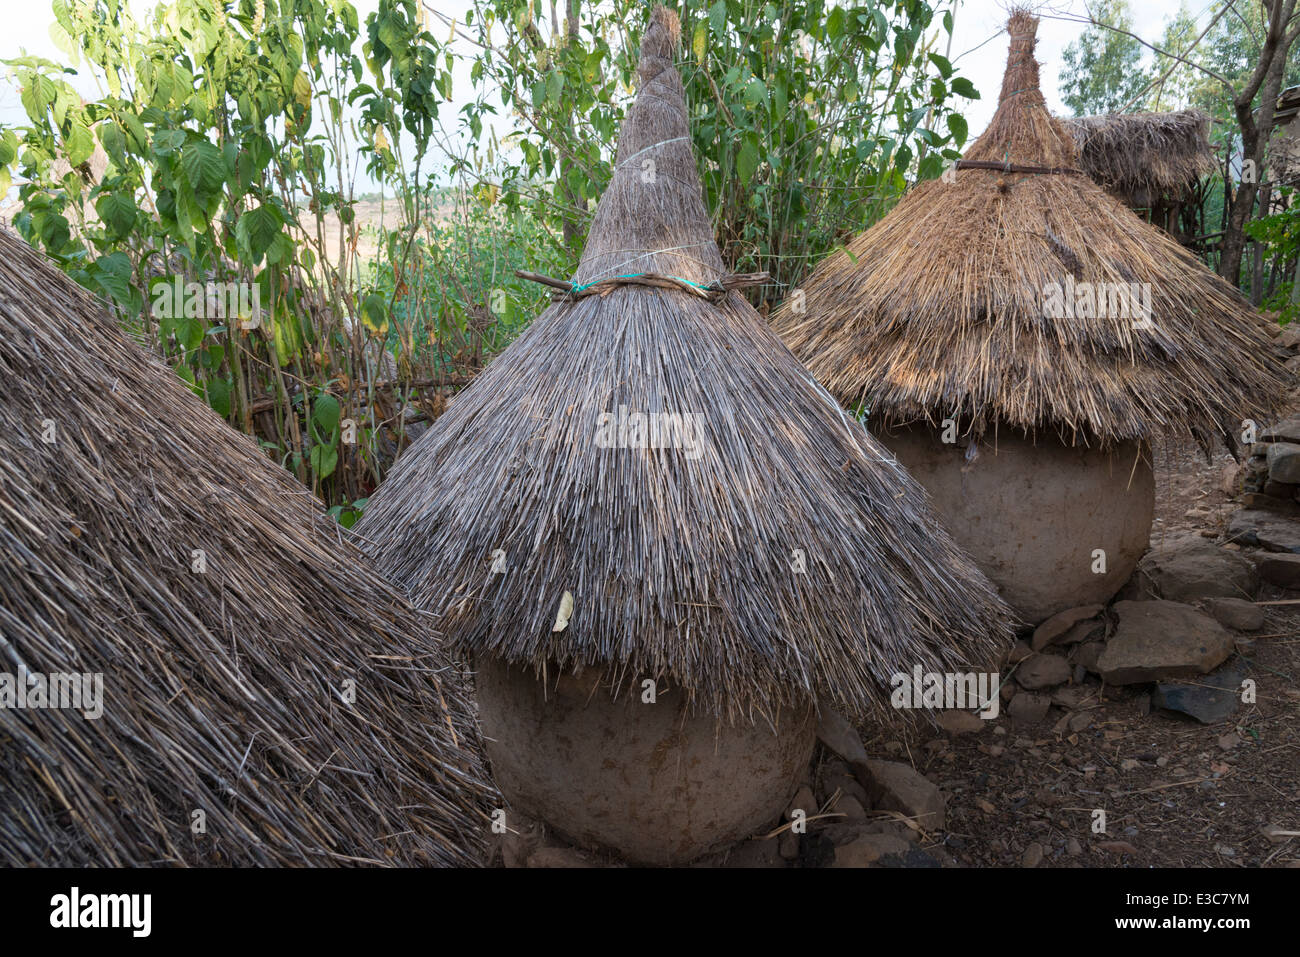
<point>1174,792</point>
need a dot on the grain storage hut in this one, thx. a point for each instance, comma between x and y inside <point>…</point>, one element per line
<point>646,494</point>
<point>1017,337</point>
<point>196,666</point>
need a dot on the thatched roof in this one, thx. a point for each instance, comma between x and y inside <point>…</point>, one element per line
<point>1144,157</point>
<point>223,690</point>
<point>946,307</point>
<point>680,563</point>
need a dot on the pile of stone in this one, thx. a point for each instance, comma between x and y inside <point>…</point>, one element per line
<point>1172,634</point>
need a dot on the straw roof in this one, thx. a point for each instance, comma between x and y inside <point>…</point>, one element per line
<point>223,690</point>
<point>1144,157</point>
<point>946,306</point>
<point>538,544</point>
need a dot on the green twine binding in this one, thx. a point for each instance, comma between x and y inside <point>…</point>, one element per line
<point>638,275</point>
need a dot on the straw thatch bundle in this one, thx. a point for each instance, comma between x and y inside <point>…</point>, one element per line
<point>224,691</point>
<point>1143,158</point>
<point>537,543</point>
<point>943,308</point>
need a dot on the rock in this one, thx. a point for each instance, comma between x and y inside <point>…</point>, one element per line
<point>1130,764</point>
<point>1074,696</point>
<point>1187,568</point>
<point>961,722</point>
<point>1117,847</point>
<point>870,848</point>
<point>1073,847</point>
<point>1029,708</point>
<point>837,734</point>
<point>1288,430</point>
<point>1229,481</point>
<point>1237,614</point>
<point>1283,463</point>
<point>558,857</point>
<point>788,846</point>
<point>846,784</point>
<point>1087,654</point>
<point>1209,700</point>
<point>1043,671</point>
<point>1279,568</point>
<point>1275,489</point>
<point>1252,526</point>
<point>1079,722</point>
<point>1259,501</point>
<point>1155,640</point>
<point>1033,855</point>
<point>1060,623</point>
<point>1019,652</point>
<point>898,787</point>
<point>1289,337</point>
<point>852,809</point>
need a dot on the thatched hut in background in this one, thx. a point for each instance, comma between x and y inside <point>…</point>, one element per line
<point>1022,314</point>
<point>647,495</point>
<point>266,699</point>
<point>1150,162</point>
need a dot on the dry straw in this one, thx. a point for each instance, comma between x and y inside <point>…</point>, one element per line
<point>939,309</point>
<point>1144,157</point>
<point>224,691</point>
<point>678,567</point>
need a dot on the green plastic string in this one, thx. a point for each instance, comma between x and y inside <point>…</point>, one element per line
<point>638,275</point>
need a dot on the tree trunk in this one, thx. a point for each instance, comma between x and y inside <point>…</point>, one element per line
<point>1255,131</point>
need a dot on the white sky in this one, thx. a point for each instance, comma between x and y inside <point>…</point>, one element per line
<point>979,51</point>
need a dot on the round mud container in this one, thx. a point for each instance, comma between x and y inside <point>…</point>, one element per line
<point>650,782</point>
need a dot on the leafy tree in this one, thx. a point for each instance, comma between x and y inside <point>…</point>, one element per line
<point>1103,70</point>
<point>809,117</point>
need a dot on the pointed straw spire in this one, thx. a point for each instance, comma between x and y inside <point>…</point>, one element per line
<point>651,218</point>
<point>1016,291</point>
<point>648,484</point>
<point>1022,130</point>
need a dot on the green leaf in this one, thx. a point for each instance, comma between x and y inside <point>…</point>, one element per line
<point>957,126</point>
<point>374,313</point>
<point>718,18</point>
<point>755,93</point>
<point>117,212</point>
<point>219,396</point>
<point>325,413</point>
<point>747,161</point>
<point>963,87</point>
<point>204,166</point>
<point>944,65</point>
<point>257,229</point>
<point>113,274</point>
<point>324,459</point>
<point>79,144</point>
<point>700,42</point>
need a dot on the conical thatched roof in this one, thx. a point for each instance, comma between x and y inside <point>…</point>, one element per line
<point>223,690</point>
<point>1144,157</point>
<point>680,562</point>
<point>939,309</point>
